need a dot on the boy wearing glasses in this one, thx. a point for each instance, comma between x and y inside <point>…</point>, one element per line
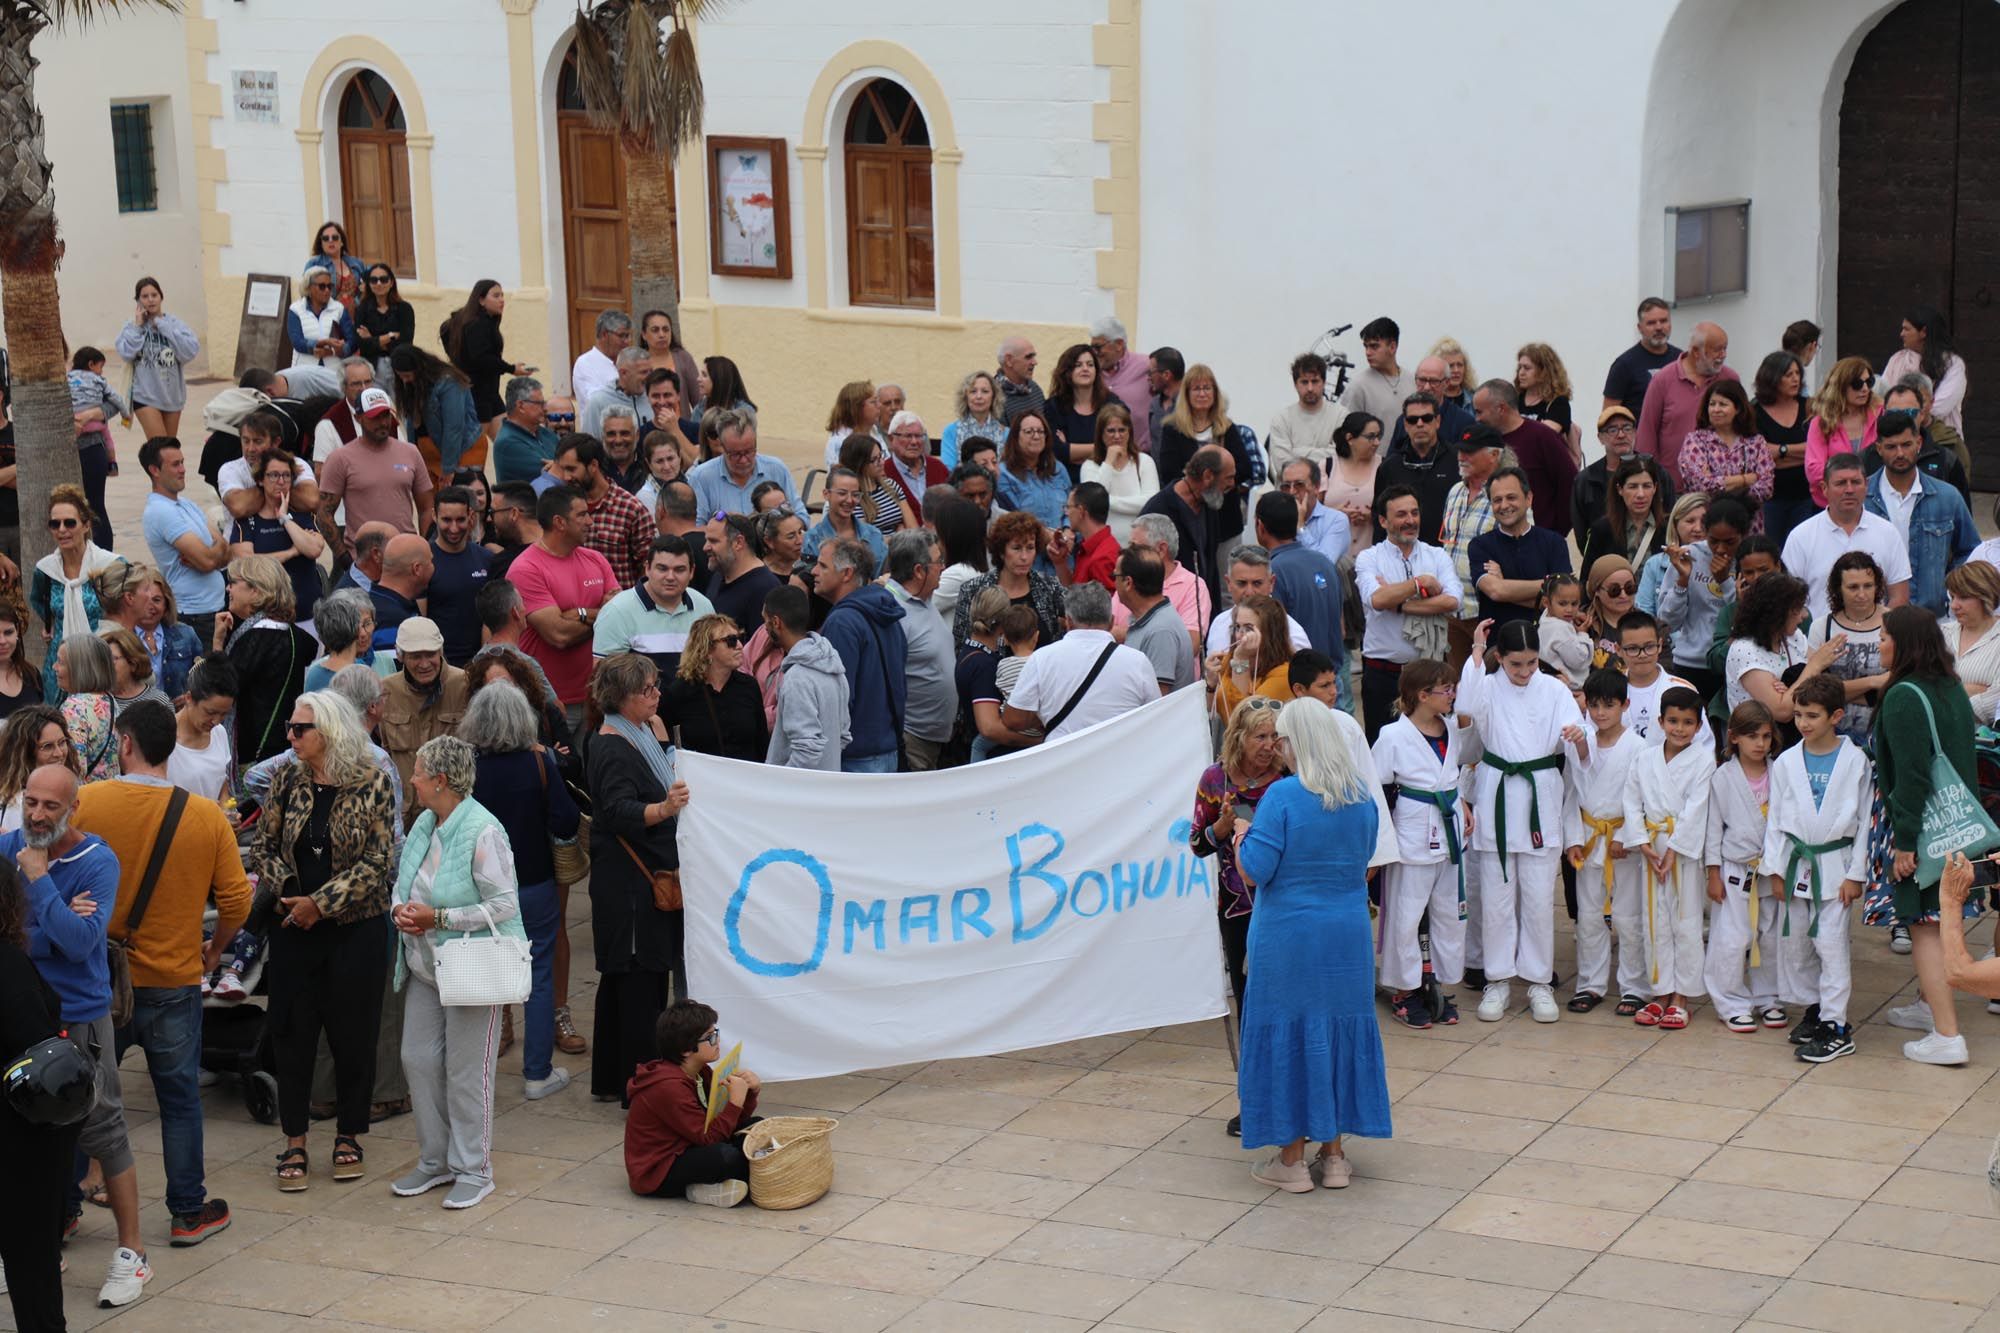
<point>674,1149</point>
<point>1639,646</point>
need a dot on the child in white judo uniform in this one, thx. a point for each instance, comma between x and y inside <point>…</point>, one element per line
<point>1606,885</point>
<point>1743,943</point>
<point>1666,816</point>
<point>1524,717</point>
<point>1418,753</point>
<point>1816,854</point>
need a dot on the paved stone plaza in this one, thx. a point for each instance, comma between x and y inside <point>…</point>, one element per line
<point>1585,1175</point>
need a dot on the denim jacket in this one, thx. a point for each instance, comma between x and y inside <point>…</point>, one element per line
<point>1942,535</point>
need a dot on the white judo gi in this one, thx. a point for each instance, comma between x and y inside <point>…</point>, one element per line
<point>1813,964</point>
<point>1743,944</point>
<point>1429,823</point>
<point>1666,808</point>
<point>1593,817</point>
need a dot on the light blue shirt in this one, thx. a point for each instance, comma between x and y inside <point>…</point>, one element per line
<point>715,491</point>
<point>1326,531</point>
<point>166,521</point>
<point>820,533</point>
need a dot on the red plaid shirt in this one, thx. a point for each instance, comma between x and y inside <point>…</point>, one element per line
<point>622,532</point>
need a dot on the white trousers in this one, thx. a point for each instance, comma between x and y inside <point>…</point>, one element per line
<point>1475,940</point>
<point>1735,986</point>
<point>1593,937</point>
<point>1815,970</point>
<point>1407,891</point>
<point>1517,915</point>
<point>1673,920</point>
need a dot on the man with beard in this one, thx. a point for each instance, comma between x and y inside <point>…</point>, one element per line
<point>1399,579</point>
<point>513,524</point>
<point>1420,458</point>
<point>1625,385</point>
<point>1192,504</point>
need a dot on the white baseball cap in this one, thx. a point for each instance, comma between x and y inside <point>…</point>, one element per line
<point>375,400</point>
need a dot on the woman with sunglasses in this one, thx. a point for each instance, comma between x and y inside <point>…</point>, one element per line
<point>1608,588</point>
<point>329,254</point>
<point>383,320</point>
<point>62,591</point>
<point>714,704</point>
<point>1844,412</point>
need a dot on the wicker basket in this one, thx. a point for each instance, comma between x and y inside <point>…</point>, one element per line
<point>799,1169</point>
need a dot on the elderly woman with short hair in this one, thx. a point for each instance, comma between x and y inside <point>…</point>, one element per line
<point>270,652</point>
<point>517,781</point>
<point>634,798</point>
<point>85,676</point>
<point>456,879</point>
<point>136,595</point>
<point>345,621</point>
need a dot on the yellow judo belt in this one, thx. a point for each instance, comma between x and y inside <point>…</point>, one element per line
<point>1653,830</point>
<point>1446,802</point>
<point>1604,830</point>
<point>1809,852</point>
<point>1509,768</point>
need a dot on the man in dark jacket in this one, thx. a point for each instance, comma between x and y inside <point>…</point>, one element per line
<point>1422,458</point>
<point>1617,430</point>
<point>1934,459</point>
<point>862,628</point>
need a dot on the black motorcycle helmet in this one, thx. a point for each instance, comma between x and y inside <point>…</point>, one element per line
<point>51,1083</point>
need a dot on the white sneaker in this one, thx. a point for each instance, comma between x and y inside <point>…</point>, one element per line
<point>1936,1050</point>
<point>729,1193</point>
<point>1494,999</point>
<point>1542,1003</point>
<point>1993,1006</point>
<point>229,986</point>
<point>538,1088</point>
<point>1916,1017</point>
<point>127,1277</point>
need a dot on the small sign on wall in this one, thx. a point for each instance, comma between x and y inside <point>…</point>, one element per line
<point>749,223</point>
<point>256,94</point>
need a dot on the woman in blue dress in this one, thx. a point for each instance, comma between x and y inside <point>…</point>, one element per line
<point>1311,1065</point>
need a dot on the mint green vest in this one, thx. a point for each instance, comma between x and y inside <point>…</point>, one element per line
<point>452,885</point>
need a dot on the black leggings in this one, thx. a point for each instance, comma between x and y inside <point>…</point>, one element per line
<point>328,978</point>
<point>707,1164</point>
<point>628,1009</point>
<point>96,467</point>
<point>37,1163</point>
<point>1235,953</point>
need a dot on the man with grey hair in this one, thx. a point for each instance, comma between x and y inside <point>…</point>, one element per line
<point>1250,575</point>
<point>1189,596</point>
<point>596,369</point>
<point>911,465</point>
<point>1123,373</point>
<point>371,542</point>
<point>622,463</point>
<point>628,390</point>
<point>862,629</point>
<point>1673,397</point>
<point>1538,451</point>
<point>338,426</point>
<point>1083,678</point>
<point>915,565</point>
<point>889,400</point>
<point>1016,378</point>
<point>525,447</point>
<point>723,484</point>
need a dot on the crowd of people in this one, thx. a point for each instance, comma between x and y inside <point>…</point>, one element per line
<point>425,664</point>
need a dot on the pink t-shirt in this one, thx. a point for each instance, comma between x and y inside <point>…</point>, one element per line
<point>377,484</point>
<point>584,579</point>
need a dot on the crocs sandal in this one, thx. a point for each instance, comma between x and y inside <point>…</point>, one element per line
<point>347,1158</point>
<point>1584,1001</point>
<point>293,1170</point>
<point>1673,1018</point>
<point>1628,1005</point>
<point>1651,1016</point>
<point>1775,1017</point>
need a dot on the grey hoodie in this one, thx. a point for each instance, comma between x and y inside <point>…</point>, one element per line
<point>811,728</point>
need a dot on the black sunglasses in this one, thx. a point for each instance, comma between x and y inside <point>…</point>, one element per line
<point>64,523</point>
<point>1423,420</point>
<point>300,728</point>
<point>380,278</point>
<point>730,640</point>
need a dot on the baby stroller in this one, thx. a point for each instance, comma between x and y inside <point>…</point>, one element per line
<point>234,1042</point>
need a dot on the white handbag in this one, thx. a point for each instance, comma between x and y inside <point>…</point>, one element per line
<point>483,969</point>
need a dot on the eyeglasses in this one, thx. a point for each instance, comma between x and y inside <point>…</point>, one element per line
<point>1619,428</point>
<point>1640,649</point>
<point>1619,589</point>
<point>730,640</point>
<point>297,729</point>
<point>64,524</point>
<point>712,1037</point>
<point>1441,689</point>
<point>1424,420</point>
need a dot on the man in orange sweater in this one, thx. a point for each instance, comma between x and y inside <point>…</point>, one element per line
<point>165,952</point>
<point>669,1151</point>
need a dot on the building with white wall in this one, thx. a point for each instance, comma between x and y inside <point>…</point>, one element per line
<point>1230,180</point>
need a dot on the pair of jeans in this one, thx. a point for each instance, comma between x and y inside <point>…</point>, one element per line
<point>166,1025</point>
<point>868,763</point>
<point>96,466</point>
<point>541,917</point>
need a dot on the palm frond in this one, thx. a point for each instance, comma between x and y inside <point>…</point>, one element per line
<point>646,89</point>
<point>596,70</point>
<point>74,14</point>
<point>681,93</point>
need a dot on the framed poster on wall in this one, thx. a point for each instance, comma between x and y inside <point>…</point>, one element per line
<point>749,214</point>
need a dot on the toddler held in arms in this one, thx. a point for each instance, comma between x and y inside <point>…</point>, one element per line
<point>673,1148</point>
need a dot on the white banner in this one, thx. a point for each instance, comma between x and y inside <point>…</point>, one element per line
<point>844,921</point>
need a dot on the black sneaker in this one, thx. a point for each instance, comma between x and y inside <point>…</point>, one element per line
<point>1475,978</point>
<point>1411,1009</point>
<point>194,1228</point>
<point>1234,1128</point>
<point>1807,1027</point>
<point>1834,1040</point>
<point>1447,1014</point>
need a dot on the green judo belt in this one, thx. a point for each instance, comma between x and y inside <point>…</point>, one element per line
<point>1509,768</point>
<point>1447,803</point>
<point>1809,852</point>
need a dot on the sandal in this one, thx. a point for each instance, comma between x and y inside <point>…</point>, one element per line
<point>1628,1005</point>
<point>568,1041</point>
<point>1584,1001</point>
<point>96,1195</point>
<point>294,1168</point>
<point>1650,1016</point>
<point>1673,1018</point>
<point>381,1111</point>
<point>347,1158</point>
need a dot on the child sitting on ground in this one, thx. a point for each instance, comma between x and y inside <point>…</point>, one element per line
<point>669,1152</point>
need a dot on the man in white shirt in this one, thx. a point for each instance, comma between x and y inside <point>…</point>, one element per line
<point>1846,526</point>
<point>1322,528</point>
<point>627,389</point>
<point>1304,429</point>
<point>262,432</point>
<point>1083,678</point>
<point>596,368</point>
<point>1379,387</point>
<point>1250,574</point>
<point>338,426</point>
<point>1399,578</point>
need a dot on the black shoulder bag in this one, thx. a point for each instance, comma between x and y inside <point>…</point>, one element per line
<point>1048,727</point>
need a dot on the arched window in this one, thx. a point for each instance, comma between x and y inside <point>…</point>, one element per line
<point>375,174</point>
<point>890,255</point>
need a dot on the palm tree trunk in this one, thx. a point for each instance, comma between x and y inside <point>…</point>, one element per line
<point>653,235</point>
<point>45,435</point>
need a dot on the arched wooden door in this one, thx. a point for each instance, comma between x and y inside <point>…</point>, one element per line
<point>1920,194</point>
<point>597,253</point>
<point>891,259</point>
<point>375,175</point>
